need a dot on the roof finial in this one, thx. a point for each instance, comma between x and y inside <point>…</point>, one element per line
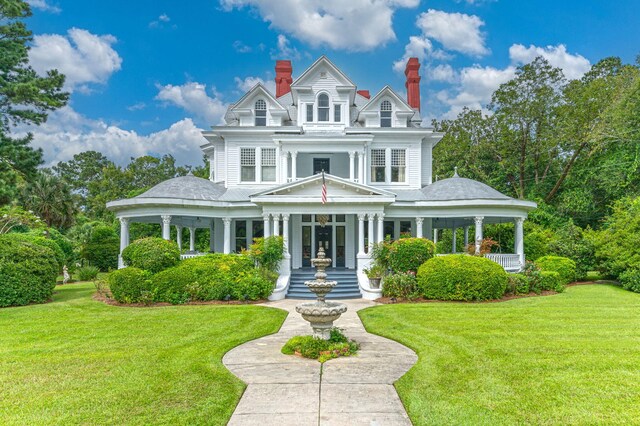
<point>455,172</point>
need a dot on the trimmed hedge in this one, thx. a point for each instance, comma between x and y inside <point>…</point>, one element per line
<point>28,271</point>
<point>213,277</point>
<point>407,254</point>
<point>103,248</point>
<point>462,277</point>
<point>552,281</point>
<point>630,280</point>
<point>151,254</point>
<point>400,285</point>
<point>45,242</point>
<point>130,285</point>
<point>518,284</point>
<point>564,266</point>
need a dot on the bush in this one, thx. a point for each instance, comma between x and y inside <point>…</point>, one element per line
<point>28,271</point>
<point>322,350</point>
<point>630,280</point>
<point>87,273</point>
<point>401,285</point>
<point>103,248</point>
<point>565,267</point>
<point>518,284</point>
<point>461,277</point>
<point>45,242</point>
<point>573,242</point>
<point>552,281</point>
<point>532,272</point>
<point>151,254</point>
<point>407,254</point>
<point>267,252</point>
<point>213,277</point>
<point>129,285</point>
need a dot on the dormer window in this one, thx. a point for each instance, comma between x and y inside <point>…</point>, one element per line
<point>385,114</point>
<point>323,107</point>
<point>261,112</point>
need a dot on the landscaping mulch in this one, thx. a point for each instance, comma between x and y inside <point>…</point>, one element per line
<point>107,300</point>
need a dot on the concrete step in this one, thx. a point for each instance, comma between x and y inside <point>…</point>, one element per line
<point>347,287</point>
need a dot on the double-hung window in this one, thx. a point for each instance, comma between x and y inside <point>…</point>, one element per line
<point>385,114</point>
<point>261,112</point>
<point>378,165</point>
<point>247,164</point>
<point>323,107</point>
<point>309,113</point>
<point>398,165</point>
<point>268,162</point>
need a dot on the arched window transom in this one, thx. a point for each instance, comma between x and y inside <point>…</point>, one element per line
<point>323,107</point>
<point>261,112</point>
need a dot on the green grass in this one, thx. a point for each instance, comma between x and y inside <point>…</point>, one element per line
<point>79,361</point>
<point>571,358</point>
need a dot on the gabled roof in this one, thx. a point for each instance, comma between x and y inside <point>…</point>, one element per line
<point>322,61</point>
<point>257,88</point>
<point>386,91</point>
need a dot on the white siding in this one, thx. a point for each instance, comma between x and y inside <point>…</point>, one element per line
<point>413,166</point>
<point>427,149</point>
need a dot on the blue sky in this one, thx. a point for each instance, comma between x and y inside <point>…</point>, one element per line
<point>146,76</point>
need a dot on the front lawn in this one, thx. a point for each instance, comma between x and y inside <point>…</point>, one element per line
<point>79,361</point>
<point>570,358</point>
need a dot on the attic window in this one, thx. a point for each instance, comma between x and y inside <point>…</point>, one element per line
<point>323,107</point>
<point>385,114</point>
<point>261,112</point>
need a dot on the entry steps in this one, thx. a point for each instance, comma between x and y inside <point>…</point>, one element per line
<point>347,287</point>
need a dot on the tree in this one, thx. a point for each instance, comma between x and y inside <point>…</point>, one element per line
<point>50,198</point>
<point>82,169</point>
<point>25,98</point>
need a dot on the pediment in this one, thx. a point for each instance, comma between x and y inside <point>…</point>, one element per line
<point>257,92</point>
<point>387,93</point>
<point>322,68</point>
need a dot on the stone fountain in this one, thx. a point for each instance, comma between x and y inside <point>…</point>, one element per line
<point>321,314</point>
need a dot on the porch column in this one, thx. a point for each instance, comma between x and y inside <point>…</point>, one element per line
<point>267,232</point>
<point>454,241</point>
<point>435,236</point>
<point>380,227</point>
<point>352,165</point>
<point>212,239</point>
<point>478,221</point>
<point>179,236</point>
<point>285,233</point>
<point>284,166</point>
<point>124,239</point>
<point>519,238</point>
<point>166,226</point>
<point>227,234</point>
<point>276,225</point>
<point>466,237</point>
<point>361,217</point>
<point>294,166</point>
<point>361,167</point>
<point>192,238</point>
<point>371,218</point>
<point>419,222</point>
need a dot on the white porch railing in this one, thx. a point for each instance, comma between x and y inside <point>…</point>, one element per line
<point>510,262</point>
<point>191,255</point>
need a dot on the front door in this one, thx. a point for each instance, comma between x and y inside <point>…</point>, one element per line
<point>323,239</point>
<point>320,165</point>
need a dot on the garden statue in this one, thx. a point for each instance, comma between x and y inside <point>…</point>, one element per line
<point>65,275</point>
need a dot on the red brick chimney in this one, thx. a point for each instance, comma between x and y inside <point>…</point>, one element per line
<point>364,94</point>
<point>413,83</point>
<point>283,77</point>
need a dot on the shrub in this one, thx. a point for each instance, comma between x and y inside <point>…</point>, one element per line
<point>565,267</point>
<point>267,252</point>
<point>407,254</point>
<point>45,242</point>
<point>461,277</point>
<point>87,273</point>
<point>552,281</point>
<point>151,254</point>
<point>400,285</point>
<point>129,285</point>
<point>532,272</point>
<point>103,248</point>
<point>28,271</point>
<point>518,284</point>
<point>630,280</point>
<point>572,242</point>
<point>322,350</point>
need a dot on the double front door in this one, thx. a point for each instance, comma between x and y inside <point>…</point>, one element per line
<point>323,237</point>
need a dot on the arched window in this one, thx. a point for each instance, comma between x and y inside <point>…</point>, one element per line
<point>385,114</point>
<point>261,112</point>
<point>323,107</point>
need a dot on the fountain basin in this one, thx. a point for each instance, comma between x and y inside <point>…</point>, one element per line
<point>321,316</point>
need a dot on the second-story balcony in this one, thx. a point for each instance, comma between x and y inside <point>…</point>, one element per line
<point>348,165</point>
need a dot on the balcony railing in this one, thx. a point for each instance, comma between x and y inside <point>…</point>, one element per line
<point>191,255</point>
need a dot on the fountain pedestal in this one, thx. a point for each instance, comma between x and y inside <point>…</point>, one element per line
<point>321,314</point>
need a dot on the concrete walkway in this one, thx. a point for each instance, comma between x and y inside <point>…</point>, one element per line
<point>289,390</point>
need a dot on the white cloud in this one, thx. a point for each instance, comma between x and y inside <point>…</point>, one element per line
<point>246,84</point>
<point>44,6</point>
<point>573,66</point>
<point>442,72</point>
<point>81,56</point>
<point>137,106</point>
<point>193,98</point>
<point>355,25</point>
<point>284,50</point>
<point>419,47</point>
<point>240,47</point>
<point>159,23</point>
<point>455,31</point>
<point>67,133</point>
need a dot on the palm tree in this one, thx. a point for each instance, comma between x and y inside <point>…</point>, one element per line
<point>50,198</point>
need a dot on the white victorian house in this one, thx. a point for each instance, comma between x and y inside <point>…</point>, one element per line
<point>266,167</point>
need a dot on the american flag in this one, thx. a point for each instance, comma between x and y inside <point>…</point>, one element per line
<point>324,190</point>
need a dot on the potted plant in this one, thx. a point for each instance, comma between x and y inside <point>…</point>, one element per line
<point>375,275</point>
